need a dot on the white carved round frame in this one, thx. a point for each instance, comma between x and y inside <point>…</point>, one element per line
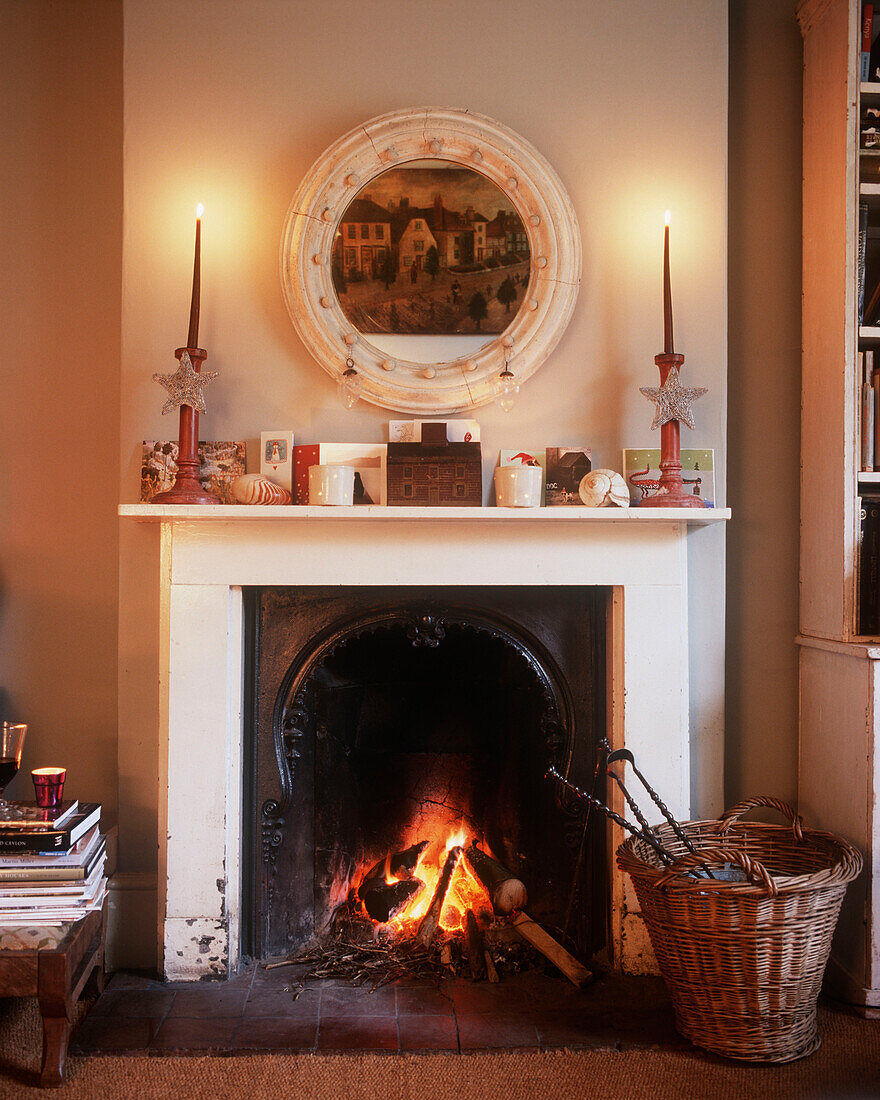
<point>473,141</point>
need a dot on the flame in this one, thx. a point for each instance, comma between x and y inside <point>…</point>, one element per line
<point>465,890</point>
<point>668,217</point>
<point>199,210</point>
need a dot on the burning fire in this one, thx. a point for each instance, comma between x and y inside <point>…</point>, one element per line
<point>465,890</point>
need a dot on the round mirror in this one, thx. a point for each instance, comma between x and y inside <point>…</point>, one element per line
<point>430,246</point>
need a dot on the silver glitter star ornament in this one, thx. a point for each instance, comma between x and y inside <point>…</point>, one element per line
<point>185,385</point>
<point>673,400</point>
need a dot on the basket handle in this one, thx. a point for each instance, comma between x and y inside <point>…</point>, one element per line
<point>757,872</point>
<point>742,808</point>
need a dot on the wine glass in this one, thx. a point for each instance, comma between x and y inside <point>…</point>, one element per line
<point>11,744</point>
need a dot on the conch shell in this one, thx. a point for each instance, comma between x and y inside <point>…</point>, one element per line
<point>256,489</point>
<point>602,488</point>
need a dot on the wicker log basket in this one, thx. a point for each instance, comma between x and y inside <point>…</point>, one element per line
<point>743,961</point>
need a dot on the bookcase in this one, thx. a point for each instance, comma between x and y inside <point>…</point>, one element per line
<point>839,669</point>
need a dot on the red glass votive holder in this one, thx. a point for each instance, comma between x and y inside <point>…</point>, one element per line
<point>49,786</point>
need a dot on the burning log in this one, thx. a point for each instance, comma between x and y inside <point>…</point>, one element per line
<point>505,890</point>
<point>397,865</point>
<point>383,899</point>
<point>550,949</point>
<point>404,863</point>
<point>430,922</point>
<point>475,947</point>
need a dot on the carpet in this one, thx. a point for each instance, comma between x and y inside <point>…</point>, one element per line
<point>846,1067</point>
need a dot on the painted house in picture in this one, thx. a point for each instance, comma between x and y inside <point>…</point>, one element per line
<point>434,473</point>
<point>416,240</point>
<point>365,237</point>
<point>459,238</point>
<point>496,238</point>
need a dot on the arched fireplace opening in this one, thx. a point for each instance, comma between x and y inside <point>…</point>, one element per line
<point>382,718</point>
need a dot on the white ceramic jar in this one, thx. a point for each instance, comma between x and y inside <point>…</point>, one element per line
<point>331,484</point>
<point>518,486</point>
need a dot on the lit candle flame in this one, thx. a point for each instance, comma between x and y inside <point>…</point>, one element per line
<point>668,216</point>
<point>200,210</point>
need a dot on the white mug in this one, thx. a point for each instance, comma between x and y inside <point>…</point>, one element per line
<point>331,484</point>
<point>518,486</point>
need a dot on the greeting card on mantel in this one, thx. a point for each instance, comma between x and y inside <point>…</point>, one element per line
<point>641,470</point>
<point>276,458</point>
<point>368,460</point>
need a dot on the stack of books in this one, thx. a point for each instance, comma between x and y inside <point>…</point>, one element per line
<point>51,863</point>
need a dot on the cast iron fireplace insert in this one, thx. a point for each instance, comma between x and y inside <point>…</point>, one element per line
<point>369,709</point>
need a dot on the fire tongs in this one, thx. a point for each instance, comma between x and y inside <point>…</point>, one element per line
<point>644,832</point>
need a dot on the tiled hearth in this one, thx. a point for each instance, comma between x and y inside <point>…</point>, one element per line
<point>255,1010</point>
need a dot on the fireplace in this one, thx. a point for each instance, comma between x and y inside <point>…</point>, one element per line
<point>207,558</point>
<point>388,717</point>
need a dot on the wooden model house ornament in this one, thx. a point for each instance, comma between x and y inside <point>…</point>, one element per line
<point>435,472</point>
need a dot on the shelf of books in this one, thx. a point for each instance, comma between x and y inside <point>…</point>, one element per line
<point>839,640</point>
<point>867,603</point>
<point>52,865</point>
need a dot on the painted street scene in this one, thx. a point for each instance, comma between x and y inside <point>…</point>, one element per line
<point>430,250</point>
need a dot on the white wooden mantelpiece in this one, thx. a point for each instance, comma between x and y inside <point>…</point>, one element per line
<point>208,555</point>
<point>560,514</point>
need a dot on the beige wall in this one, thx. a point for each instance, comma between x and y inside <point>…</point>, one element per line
<point>236,128</point>
<point>629,104</point>
<point>766,77</point>
<point>61,240</point>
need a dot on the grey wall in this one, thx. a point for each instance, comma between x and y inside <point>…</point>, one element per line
<point>766,74</point>
<point>60,328</point>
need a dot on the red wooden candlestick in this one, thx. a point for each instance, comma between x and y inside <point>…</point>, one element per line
<point>672,493</point>
<point>187,488</point>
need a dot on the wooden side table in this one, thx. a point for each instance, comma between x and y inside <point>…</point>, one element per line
<point>57,975</point>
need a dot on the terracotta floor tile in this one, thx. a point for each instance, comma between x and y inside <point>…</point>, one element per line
<point>279,976</point>
<point>129,979</point>
<point>346,1000</point>
<point>273,1033</point>
<point>99,1034</point>
<point>492,1030</point>
<point>566,1029</point>
<point>269,1002</point>
<point>243,977</point>
<point>543,990</point>
<point>427,1033</point>
<point>642,991</point>
<point>357,1033</point>
<point>209,1003</point>
<point>479,997</point>
<point>186,1033</point>
<point>133,1002</point>
<point>423,1000</point>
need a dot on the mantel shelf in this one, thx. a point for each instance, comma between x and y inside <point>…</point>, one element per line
<point>151,513</point>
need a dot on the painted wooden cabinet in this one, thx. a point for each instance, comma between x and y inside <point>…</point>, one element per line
<point>839,670</point>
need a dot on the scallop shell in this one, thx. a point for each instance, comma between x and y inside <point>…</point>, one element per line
<point>602,488</point>
<point>256,489</point>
